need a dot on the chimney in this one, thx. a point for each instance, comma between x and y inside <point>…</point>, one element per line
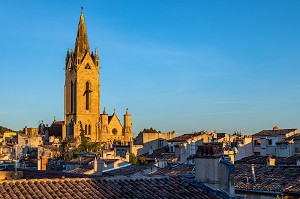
<point>44,163</point>
<point>127,156</point>
<point>98,166</point>
<point>211,168</point>
<point>116,163</point>
<point>271,161</point>
<point>104,153</point>
<point>39,163</point>
<point>275,128</point>
<point>253,172</point>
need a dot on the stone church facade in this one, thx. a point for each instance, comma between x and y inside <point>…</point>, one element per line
<point>82,97</point>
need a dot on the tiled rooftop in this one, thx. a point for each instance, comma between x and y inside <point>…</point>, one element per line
<point>186,137</point>
<point>294,189</point>
<point>128,170</point>
<point>270,179</point>
<point>290,138</point>
<point>99,188</point>
<point>40,174</point>
<point>161,153</point>
<point>274,132</point>
<point>81,160</point>
<point>262,160</point>
<point>80,170</point>
<point>175,170</point>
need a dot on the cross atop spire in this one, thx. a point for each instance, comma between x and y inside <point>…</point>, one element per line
<point>82,43</point>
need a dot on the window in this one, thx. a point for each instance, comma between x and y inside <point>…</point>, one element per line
<point>87,95</point>
<point>72,98</point>
<point>89,129</point>
<point>114,131</point>
<point>283,146</point>
<point>256,142</point>
<point>87,66</point>
<point>256,153</point>
<point>270,142</point>
<point>161,143</point>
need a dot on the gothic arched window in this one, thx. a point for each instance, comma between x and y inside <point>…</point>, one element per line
<point>87,95</point>
<point>89,129</point>
<point>72,97</point>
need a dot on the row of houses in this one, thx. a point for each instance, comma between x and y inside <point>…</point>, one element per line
<point>275,142</point>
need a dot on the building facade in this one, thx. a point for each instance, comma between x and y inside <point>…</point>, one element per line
<point>185,146</point>
<point>153,141</point>
<point>82,97</point>
<point>264,142</point>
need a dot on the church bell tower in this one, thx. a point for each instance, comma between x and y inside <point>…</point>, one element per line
<point>82,88</point>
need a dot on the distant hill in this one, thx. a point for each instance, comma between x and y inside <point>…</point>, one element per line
<point>3,129</point>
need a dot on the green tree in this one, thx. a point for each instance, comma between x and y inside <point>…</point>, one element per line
<point>137,160</point>
<point>94,147</point>
<point>142,160</point>
<point>84,141</point>
<point>133,159</point>
<point>3,129</point>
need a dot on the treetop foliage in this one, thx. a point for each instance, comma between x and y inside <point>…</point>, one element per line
<point>4,129</point>
<point>151,130</point>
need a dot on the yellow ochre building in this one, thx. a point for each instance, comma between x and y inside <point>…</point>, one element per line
<point>82,97</point>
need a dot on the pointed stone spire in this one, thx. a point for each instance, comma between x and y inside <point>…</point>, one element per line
<point>82,43</point>
<point>104,111</point>
<point>126,111</point>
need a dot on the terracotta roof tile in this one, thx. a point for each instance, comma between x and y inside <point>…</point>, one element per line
<point>128,170</point>
<point>161,153</point>
<point>288,139</point>
<point>185,137</point>
<point>99,188</point>
<point>40,174</point>
<point>274,132</point>
<point>262,160</point>
<point>175,170</point>
<point>271,179</point>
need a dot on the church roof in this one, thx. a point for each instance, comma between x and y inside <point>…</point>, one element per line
<point>110,118</point>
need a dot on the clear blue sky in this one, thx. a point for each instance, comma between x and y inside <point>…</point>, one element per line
<point>177,65</point>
